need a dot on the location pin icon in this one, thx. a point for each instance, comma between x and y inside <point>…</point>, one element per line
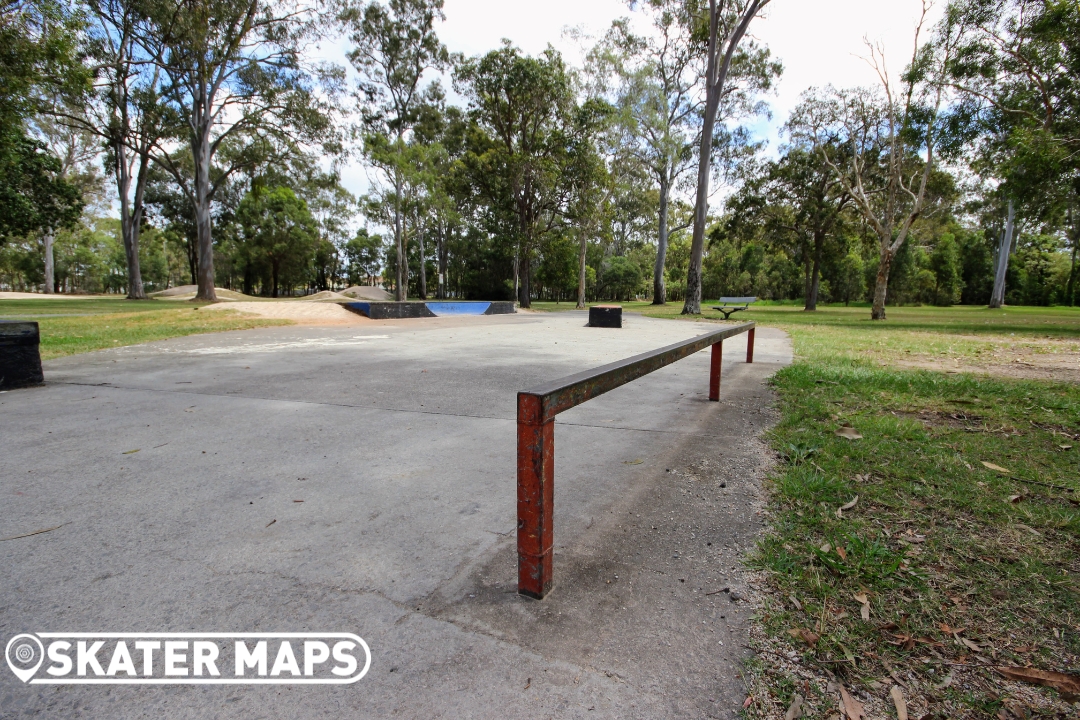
<point>24,655</point>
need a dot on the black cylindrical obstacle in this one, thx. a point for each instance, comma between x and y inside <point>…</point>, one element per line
<point>607,316</point>
<point>20,359</point>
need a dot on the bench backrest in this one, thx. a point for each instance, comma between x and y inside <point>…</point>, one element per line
<point>739,300</point>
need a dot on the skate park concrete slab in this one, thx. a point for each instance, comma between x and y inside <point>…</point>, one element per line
<point>173,471</point>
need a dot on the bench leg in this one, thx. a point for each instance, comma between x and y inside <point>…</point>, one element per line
<point>750,345</point>
<point>714,371</point>
<point>535,498</point>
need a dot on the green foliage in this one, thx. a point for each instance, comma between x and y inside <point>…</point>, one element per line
<point>622,278</point>
<point>40,61</point>
<point>279,235</point>
<point>363,254</point>
<point>945,267</point>
<point>34,197</point>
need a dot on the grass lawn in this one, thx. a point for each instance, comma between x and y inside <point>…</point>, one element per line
<point>902,558</point>
<point>82,325</point>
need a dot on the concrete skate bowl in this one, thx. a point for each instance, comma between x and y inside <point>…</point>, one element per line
<point>433,308</point>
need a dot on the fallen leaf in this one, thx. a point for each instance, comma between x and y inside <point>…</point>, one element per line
<point>852,707</point>
<point>972,646</point>
<point>1065,447</point>
<point>898,700</point>
<point>846,431</point>
<point>795,708</point>
<point>995,468</point>
<point>528,683</point>
<point>903,640</point>
<point>1026,648</point>
<point>748,701</point>
<point>1031,530</point>
<point>865,612</point>
<point>298,501</point>
<point>1067,685</point>
<point>1014,499</point>
<point>842,553</point>
<point>795,602</point>
<point>826,548</point>
<point>131,452</point>
<point>807,636</point>
<point>633,462</point>
<point>851,504</point>
<point>946,682</point>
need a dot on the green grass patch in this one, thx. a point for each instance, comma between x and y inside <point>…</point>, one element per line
<point>76,326</point>
<point>963,566</point>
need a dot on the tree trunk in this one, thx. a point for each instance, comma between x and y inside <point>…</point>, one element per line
<point>50,267</point>
<point>441,251</point>
<point>274,277</point>
<point>692,302</point>
<point>205,270</point>
<point>401,286</point>
<point>815,273</point>
<point>997,298</point>
<point>882,285</point>
<point>526,285</point>
<point>715,79</point>
<point>659,287</point>
<point>581,271</point>
<point>423,263</point>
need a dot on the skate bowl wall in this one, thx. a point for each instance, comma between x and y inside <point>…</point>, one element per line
<point>433,308</point>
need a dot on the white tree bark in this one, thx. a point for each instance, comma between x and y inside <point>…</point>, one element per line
<point>997,298</point>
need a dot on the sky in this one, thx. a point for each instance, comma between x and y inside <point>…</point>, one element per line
<point>819,42</point>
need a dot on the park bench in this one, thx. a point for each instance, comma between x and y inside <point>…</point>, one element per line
<point>730,305</point>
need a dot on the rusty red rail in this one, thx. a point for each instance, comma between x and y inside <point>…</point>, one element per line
<point>537,408</point>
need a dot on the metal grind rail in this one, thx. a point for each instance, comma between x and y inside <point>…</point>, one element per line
<point>537,408</point>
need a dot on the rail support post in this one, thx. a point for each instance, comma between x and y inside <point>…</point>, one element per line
<point>750,345</point>
<point>714,370</point>
<point>535,496</point>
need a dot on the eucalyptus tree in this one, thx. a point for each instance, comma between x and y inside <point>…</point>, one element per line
<point>234,68</point>
<point>721,26</point>
<point>394,45</point>
<point>77,150</point>
<point>40,58</point>
<point>659,103</point>
<point>526,107</point>
<point>125,112</point>
<point>41,63</point>
<point>1017,69</point>
<point>881,143</point>
<point>797,195</point>
<point>280,229</point>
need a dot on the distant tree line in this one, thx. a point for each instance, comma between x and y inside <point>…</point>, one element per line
<point>152,143</point>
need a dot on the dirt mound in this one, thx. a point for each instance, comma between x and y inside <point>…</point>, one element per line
<point>174,291</point>
<point>187,292</point>
<point>302,313</point>
<point>366,292</point>
<point>325,295</point>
